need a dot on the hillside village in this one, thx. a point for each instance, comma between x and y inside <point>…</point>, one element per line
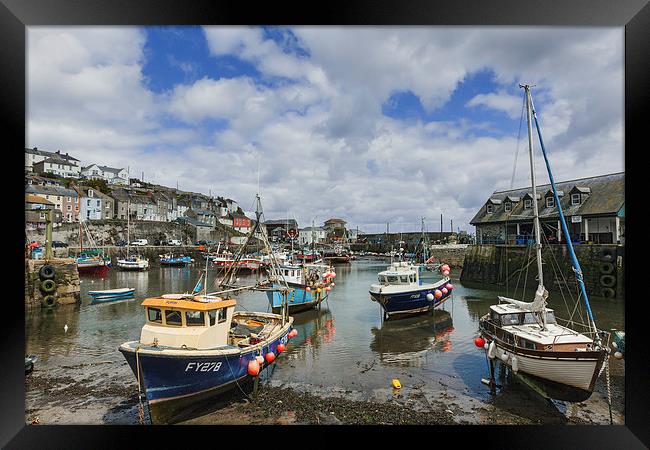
<point>102,195</point>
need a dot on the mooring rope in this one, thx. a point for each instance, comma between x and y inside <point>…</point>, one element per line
<point>140,406</point>
<point>609,391</point>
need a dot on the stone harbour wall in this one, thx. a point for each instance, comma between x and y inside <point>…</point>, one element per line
<point>66,278</point>
<point>602,266</point>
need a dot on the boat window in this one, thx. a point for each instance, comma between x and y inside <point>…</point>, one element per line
<point>212,315</point>
<point>404,279</point>
<point>550,317</point>
<point>194,318</point>
<point>510,319</point>
<point>391,278</point>
<point>527,344</point>
<point>154,315</point>
<point>222,315</point>
<point>496,318</point>
<point>529,318</point>
<point>173,317</point>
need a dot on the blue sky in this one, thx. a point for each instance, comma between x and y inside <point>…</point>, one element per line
<point>373,125</point>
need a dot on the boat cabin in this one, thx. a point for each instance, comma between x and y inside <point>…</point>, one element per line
<point>519,327</point>
<point>306,274</point>
<point>180,320</point>
<point>399,273</point>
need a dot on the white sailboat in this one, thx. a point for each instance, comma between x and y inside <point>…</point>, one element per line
<point>131,262</point>
<point>527,337</point>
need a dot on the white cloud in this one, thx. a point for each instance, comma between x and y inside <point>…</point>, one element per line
<point>324,146</point>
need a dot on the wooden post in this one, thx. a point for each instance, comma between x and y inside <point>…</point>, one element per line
<point>559,231</point>
<point>617,225</point>
<point>48,234</point>
<point>586,221</point>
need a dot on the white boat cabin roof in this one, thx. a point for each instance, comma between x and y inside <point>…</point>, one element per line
<point>400,268</point>
<point>528,328</point>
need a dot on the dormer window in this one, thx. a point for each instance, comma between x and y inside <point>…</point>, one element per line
<point>507,206</point>
<point>550,202</point>
<point>490,208</point>
<point>575,199</point>
<point>528,203</point>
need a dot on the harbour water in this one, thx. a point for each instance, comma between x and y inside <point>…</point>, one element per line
<point>343,350</point>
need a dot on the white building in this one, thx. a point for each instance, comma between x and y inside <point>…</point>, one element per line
<point>110,174</point>
<point>34,155</point>
<point>58,166</point>
<point>307,235</point>
<point>91,205</point>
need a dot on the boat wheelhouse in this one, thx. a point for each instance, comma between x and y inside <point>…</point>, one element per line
<point>195,346</point>
<point>400,290</point>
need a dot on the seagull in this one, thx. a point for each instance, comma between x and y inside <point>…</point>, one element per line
<point>65,328</point>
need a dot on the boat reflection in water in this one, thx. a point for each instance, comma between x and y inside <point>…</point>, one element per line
<point>406,340</point>
<point>314,329</point>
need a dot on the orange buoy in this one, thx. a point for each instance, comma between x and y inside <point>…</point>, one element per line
<point>437,293</point>
<point>281,348</point>
<point>253,368</point>
<point>318,290</point>
<point>293,333</point>
<point>259,359</point>
<point>270,357</point>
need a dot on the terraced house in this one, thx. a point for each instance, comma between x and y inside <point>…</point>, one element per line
<point>65,200</point>
<point>594,209</point>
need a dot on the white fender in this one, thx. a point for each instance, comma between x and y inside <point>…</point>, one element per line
<point>515,366</point>
<point>492,350</point>
<point>504,357</point>
<point>618,355</point>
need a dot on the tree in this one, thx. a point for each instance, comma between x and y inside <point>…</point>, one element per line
<point>99,184</point>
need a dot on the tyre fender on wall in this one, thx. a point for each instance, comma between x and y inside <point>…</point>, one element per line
<point>46,272</point>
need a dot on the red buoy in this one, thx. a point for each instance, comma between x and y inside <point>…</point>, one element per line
<point>449,286</point>
<point>281,348</point>
<point>328,288</point>
<point>253,368</point>
<point>293,333</point>
<point>437,293</point>
<point>445,273</point>
<point>445,291</point>
<point>308,289</point>
<point>479,342</point>
<point>270,357</point>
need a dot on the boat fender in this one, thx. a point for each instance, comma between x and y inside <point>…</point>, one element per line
<point>504,357</point>
<point>606,268</point>
<point>607,281</point>
<point>515,365</point>
<point>492,350</point>
<point>46,272</point>
<point>270,357</point>
<point>48,286</point>
<point>260,360</point>
<point>430,296</point>
<point>618,355</point>
<point>608,292</point>
<point>253,368</point>
<point>48,301</point>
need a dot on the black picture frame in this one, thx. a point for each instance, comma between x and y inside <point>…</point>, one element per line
<point>15,15</point>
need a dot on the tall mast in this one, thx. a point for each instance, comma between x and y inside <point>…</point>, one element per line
<point>128,226</point>
<point>538,244</point>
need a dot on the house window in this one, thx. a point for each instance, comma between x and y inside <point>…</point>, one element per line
<point>575,199</point>
<point>88,202</point>
<point>97,202</point>
<point>550,202</point>
<point>507,207</point>
<point>490,208</point>
<point>69,207</point>
<point>528,203</point>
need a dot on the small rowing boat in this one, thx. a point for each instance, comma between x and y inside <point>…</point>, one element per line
<point>111,294</point>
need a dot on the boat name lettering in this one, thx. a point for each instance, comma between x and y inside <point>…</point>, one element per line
<point>415,296</point>
<point>204,367</point>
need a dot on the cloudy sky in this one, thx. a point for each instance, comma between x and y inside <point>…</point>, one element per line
<point>369,124</point>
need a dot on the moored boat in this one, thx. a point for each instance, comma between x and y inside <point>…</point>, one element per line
<point>171,260</point>
<point>400,291</point>
<point>111,294</point>
<point>133,262</point>
<point>250,264</point>
<point>89,262</point>
<point>310,285</point>
<point>527,337</point>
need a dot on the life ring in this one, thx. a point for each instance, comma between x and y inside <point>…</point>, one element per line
<point>46,272</point>
<point>608,292</point>
<point>48,301</point>
<point>606,268</point>
<point>48,286</point>
<point>607,255</point>
<point>608,281</point>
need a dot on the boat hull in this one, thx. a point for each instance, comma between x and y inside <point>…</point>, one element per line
<point>409,303</point>
<point>175,262</point>
<point>299,299</point>
<point>132,265</point>
<point>92,268</point>
<point>570,376</point>
<point>175,380</point>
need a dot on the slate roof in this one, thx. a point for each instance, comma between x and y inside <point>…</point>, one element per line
<point>36,151</point>
<point>606,197</point>
<point>50,190</point>
<point>283,222</point>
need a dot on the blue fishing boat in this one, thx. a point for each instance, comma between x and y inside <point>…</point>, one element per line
<point>400,291</point>
<point>171,260</point>
<point>310,285</point>
<point>111,294</point>
<point>195,346</point>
